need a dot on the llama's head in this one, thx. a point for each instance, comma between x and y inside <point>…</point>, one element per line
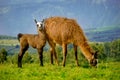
<point>40,25</point>
<point>94,60</point>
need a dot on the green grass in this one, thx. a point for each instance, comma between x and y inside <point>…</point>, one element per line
<point>105,71</point>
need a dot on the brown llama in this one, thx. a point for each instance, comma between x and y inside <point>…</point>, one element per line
<point>37,41</point>
<point>60,30</point>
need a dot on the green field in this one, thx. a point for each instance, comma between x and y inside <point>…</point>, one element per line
<point>105,71</point>
<point>108,66</point>
<point>8,42</point>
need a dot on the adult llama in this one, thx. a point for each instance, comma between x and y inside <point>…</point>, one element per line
<point>62,31</point>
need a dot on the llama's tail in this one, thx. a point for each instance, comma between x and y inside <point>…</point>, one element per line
<point>19,36</point>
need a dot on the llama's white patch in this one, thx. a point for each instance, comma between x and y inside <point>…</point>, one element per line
<point>39,24</point>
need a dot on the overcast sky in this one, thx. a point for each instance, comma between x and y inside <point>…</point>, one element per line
<point>17,16</point>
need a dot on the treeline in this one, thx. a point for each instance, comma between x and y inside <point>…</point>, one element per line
<point>108,51</point>
<point>7,37</point>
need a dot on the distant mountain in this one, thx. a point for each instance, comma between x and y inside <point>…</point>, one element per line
<point>104,34</point>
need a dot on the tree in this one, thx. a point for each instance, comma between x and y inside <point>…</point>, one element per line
<point>115,49</point>
<point>3,55</point>
<point>101,49</point>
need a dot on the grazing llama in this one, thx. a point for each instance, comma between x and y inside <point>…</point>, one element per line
<point>37,41</point>
<point>62,31</point>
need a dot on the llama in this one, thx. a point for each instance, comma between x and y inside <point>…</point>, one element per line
<point>62,31</point>
<point>37,41</point>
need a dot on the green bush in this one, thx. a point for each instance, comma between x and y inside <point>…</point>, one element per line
<point>3,55</point>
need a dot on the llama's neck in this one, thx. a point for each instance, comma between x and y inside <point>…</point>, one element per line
<point>41,33</point>
<point>82,42</point>
<point>86,50</point>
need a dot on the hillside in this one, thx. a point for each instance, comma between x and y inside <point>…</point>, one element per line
<point>104,34</point>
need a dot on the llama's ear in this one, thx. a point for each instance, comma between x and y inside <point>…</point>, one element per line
<point>96,55</point>
<point>35,21</point>
<point>43,20</point>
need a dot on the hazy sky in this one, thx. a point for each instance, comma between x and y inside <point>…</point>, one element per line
<point>17,16</point>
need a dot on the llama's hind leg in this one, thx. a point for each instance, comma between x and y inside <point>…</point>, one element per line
<point>76,58</point>
<point>51,55</point>
<point>20,55</point>
<point>40,51</point>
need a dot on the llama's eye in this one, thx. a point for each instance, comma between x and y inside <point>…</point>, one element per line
<point>41,25</point>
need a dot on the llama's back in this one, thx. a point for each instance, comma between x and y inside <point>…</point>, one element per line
<point>65,30</point>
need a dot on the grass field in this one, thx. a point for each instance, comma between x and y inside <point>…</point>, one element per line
<point>9,42</point>
<point>105,71</point>
<point>108,69</point>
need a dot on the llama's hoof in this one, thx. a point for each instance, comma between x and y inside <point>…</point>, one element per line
<point>19,65</point>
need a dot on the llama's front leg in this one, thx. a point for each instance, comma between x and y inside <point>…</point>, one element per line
<point>56,59</point>
<point>40,51</point>
<point>76,58</point>
<point>53,53</point>
<point>64,47</point>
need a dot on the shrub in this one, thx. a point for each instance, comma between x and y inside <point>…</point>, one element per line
<point>3,55</point>
<point>27,58</point>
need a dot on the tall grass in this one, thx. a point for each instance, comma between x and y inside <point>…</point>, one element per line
<point>32,70</point>
<point>105,71</point>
